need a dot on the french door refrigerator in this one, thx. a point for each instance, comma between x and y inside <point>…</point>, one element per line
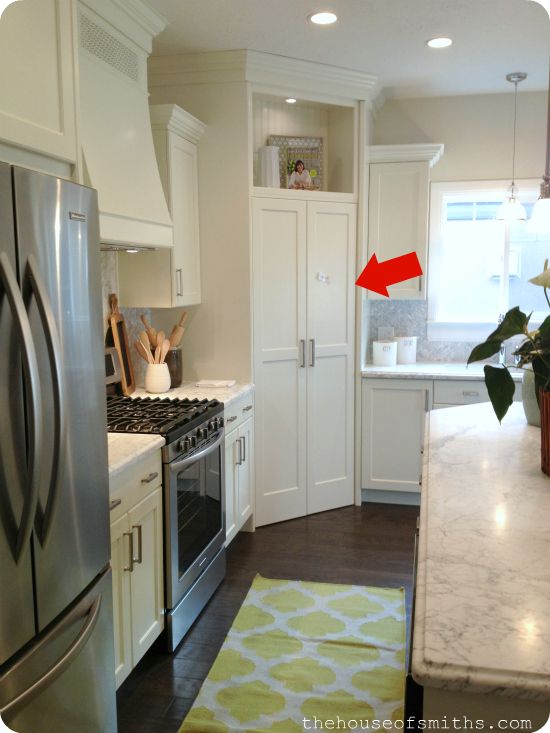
<point>56,637</point>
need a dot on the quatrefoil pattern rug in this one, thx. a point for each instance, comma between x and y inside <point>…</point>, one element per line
<point>300,650</point>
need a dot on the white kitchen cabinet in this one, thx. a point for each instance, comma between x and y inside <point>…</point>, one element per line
<point>137,563</point>
<point>303,281</point>
<point>398,209</point>
<point>37,85</point>
<point>393,421</point>
<point>239,467</point>
<point>177,277</point>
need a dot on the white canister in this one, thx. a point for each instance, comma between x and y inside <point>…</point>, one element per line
<point>384,353</point>
<point>157,378</point>
<point>406,349</point>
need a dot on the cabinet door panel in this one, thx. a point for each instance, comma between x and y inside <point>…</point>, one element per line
<point>330,323</point>
<point>231,482</point>
<point>147,591</point>
<point>279,266</point>
<point>122,620</point>
<point>393,418</point>
<point>246,472</point>
<point>37,104</point>
<point>398,219</point>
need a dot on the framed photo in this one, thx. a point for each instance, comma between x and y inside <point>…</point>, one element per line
<point>307,149</point>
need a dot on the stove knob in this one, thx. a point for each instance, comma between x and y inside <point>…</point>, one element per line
<point>212,426</point>
<point>184,444</point>
<point>202,433</point>
<point>193,441</point>
<point>215,424</point>
<point>221,421</point>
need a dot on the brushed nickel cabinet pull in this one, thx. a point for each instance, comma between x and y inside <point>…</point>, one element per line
<point>113,504</point>
<point>243,439</point>
<point>130,566</point>
<point>302,353</point>
<point>179,274</point>
<point>312,352</point>
<point>139,558</point>
<point>231,419</point>
<point>149,478</point>
<point>247,408</point>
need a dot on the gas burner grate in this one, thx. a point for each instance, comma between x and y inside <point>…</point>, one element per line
<point>156,415</point>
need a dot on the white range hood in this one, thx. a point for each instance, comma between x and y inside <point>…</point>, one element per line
<point>117,143</point>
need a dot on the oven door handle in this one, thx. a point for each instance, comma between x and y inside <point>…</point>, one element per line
<point>185,462</point>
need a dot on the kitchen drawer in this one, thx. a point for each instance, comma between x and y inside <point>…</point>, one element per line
<point>238,411</point>
<point>464,392</point>
<point>134,483</point>
<point>459,392</point>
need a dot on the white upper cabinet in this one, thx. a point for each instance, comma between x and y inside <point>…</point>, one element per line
<point>37,95</point>
<point>398,209</point>
<point>177,280</point>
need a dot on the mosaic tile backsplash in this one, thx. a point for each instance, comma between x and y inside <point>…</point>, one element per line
<point>409,318</point>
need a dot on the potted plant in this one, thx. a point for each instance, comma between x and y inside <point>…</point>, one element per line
<point>534,350</point>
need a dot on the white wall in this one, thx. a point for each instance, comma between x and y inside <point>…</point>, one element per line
<point>477,131</point>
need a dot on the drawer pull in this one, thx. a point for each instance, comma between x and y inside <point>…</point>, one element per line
<point>130,566</point>
<point>231,419</point>
<point>139,558</point>
<point>247,408</point>
<point>113,504</point>
<point>150,477</point>
<point>470,393</point>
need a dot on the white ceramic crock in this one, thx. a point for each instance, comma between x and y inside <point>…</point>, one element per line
<point>157,378</point>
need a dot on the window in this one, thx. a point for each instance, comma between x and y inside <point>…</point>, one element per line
<point>480,267</point>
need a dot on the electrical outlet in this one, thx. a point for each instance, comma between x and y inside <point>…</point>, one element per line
<point>385,333</point>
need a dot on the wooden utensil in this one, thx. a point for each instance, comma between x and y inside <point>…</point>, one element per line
<point>144,352</point>
<point>157,355</point>
<point>119,338</point>
<point>160,338</point>
<point>177,331</point>
<point>151,333</point>
<point>164,350</point>
<point>145,340</point>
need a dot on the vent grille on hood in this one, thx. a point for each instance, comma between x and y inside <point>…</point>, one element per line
<point>105,46</point>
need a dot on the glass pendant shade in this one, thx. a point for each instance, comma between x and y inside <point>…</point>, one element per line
<point>539,223</point>
<point>511,209</point>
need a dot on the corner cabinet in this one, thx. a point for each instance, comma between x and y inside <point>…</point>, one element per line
<point>239,467</point>
<point>393,421</point>
<point>304,301</point>
<point>177,277</point>
<point>37,85</point>
<point>399,189</point>
<point>137,562</point>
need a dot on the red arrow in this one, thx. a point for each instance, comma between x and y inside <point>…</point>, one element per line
<point>378,275</point>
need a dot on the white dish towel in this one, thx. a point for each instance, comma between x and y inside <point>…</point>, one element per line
<point>215,383</point>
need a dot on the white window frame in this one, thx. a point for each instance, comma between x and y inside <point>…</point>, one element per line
<point>457,330</point>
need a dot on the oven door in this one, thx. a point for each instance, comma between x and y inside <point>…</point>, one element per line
<point>194,516</point>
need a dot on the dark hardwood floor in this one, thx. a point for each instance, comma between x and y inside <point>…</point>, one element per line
<point>368,545</point>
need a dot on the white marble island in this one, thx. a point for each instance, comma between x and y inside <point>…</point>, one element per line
<point>482,621</point>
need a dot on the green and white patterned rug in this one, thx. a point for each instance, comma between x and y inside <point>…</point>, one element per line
<point>299,651</point>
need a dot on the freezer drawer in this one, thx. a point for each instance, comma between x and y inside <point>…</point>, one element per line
<point>65,682</point>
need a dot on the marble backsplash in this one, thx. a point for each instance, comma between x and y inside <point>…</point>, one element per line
<point>409,318</point>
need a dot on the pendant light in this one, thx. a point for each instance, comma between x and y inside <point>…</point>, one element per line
<point>540,217</point>
<point>511,209</point>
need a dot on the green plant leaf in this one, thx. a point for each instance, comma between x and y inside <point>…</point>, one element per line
<point>514,323</point>
<point>501,387</point>
<point>484,351</point>
<point>545,326</point>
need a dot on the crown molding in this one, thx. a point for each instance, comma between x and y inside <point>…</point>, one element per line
<point>418,152</point>
<point>175,119</point>
<point>260,69</point>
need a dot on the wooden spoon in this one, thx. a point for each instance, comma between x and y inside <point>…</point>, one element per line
<point>145,340</point>
<point>145,353</point>
<point>151,333</point>
<point>164,350</point>
<point>160,338</point>
<point>157,355</point>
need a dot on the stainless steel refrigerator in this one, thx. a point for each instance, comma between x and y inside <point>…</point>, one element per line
<point>56,636</point>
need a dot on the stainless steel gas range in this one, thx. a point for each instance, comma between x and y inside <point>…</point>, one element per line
<point>193,490</point>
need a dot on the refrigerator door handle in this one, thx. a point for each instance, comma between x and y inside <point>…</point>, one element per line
<point>8,281</point>
<point>44,516</point>
<point>91,614</point>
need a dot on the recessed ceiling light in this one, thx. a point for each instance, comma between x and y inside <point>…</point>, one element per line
<point>324,18</point>
<point>439,42</point>
<point>290,100</point>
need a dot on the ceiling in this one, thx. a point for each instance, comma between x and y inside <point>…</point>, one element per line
<point>383,37</point>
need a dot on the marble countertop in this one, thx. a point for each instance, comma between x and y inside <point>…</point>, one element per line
<point>483,587</point>
<point>435,370</point>
<point>125,448</point>
<point>191,391</point>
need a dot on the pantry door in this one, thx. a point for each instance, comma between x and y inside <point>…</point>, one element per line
<point>279,275</point>
<point>331,337</point>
